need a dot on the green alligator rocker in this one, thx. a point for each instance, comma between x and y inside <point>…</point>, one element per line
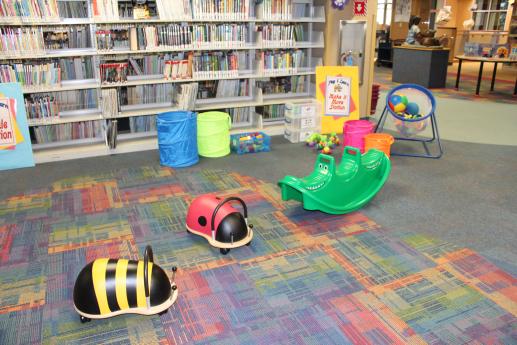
<point>354,183</point>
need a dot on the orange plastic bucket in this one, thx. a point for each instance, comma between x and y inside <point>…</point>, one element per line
<point>379,141</point>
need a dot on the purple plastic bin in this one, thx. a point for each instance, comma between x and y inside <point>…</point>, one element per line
<point>354,132</point>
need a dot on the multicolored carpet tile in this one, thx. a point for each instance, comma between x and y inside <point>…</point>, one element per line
<point>307,278</point>
<point>503,90</point>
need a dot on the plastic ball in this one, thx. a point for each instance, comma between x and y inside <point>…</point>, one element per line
<point>412,108</point>
<point>396,104</point>
<point>403,99</point>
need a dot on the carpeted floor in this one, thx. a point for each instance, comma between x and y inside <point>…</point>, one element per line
<point>502,93</point>
<point>308,278</point>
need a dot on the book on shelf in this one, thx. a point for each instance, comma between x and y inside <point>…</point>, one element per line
<point>187,96</point>
<point>111,129</point>
<point>109,102</point>
<point>76,68</point>
<point>242,115</point>
<point>13,11</point>
<point>219,35</point>
<point>32,75</point>
<point>114,72</point>
<point>147,96</point>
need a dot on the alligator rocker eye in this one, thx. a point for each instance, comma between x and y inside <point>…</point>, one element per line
<point>321,166</point>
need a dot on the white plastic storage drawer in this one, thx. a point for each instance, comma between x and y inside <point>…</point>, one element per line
<point>302,109</point>
<point>299,135</point>
<point>302,123</point>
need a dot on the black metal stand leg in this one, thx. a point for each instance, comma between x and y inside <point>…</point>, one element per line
<point>458,75</point>
<point>479,77</point>
<point>493,77</point>
<point>382,119</point>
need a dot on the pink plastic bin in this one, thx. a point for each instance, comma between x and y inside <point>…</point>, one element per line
<point>354,132</point>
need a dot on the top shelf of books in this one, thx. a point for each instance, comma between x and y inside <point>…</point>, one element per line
<point>77,12</point>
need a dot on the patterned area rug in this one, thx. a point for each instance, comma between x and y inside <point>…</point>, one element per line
<point>502,93</point>
<point>307,278</point>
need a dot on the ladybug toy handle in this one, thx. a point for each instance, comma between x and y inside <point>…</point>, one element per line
<point>148,257</point>
<point>232,198</point>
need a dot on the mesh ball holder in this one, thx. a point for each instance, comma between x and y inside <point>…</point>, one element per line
<point>408,128</point>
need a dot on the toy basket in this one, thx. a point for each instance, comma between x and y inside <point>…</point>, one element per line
<point>250,142</point>
<point>177,138</point>
<point>411,124</point>
<point>213,134</point>
<point>426,104</point>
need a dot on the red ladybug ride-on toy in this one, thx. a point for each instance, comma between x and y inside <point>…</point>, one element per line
<point>222,225</point>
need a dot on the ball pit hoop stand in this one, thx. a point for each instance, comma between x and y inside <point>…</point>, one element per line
<point>426,142</point>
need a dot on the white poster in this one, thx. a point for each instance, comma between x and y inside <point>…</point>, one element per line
<point>7,132</point>
<point>402,10</point>
<point>337,96</point>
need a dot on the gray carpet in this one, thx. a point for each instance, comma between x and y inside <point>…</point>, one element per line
<point>468,197</point>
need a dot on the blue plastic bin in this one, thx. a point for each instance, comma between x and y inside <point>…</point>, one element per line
<point>177,138</point>
<point>250,142</point>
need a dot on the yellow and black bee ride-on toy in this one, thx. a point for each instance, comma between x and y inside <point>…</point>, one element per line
<point>110,287</point>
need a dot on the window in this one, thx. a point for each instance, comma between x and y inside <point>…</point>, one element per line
<point>490,14</point>
<point>384,12</point>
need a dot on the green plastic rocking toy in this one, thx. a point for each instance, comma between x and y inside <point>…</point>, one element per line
<point>345,189</point>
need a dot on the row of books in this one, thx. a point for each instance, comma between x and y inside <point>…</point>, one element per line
<point>148,94</point>
<point>73,9</point>
<point>180,36</point>
<point>76,68</point>
<point>154,64</point>
<point>272,112</point>
<point>241,115</point>
<point>138,124</point>
<point>30,76</point>
<point>68,131</point>
<point>281,61</point>
<point>223,88</point>
<point>21,41</point>
<point>41,104</point>
<point>294,84</point>
<point>281,34</point>
<point>217,64</point>
<point>67,37</point>
<point>275,10</point>
<point>41,107</point>
<point>220,9</point>
<point>29,10</point>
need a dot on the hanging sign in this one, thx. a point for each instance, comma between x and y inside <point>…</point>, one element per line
<point>359,7</point>
<point>15,143</point>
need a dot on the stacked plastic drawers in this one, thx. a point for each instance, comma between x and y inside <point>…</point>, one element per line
<point>301,120</point>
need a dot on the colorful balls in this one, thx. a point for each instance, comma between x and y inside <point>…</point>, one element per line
<point>396,104</point>
<point>412,108</point>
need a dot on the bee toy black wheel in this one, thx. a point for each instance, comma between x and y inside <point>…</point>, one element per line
<point>249,243</point>
<point>224,251</point>
<point>84,319</point>
<point>163,312</point>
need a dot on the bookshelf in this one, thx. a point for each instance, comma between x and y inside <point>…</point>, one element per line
<point>94,74</point>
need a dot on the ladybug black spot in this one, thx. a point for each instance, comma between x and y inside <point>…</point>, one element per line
<point>202,220</point>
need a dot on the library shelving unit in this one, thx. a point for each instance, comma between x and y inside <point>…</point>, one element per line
<point>95,73</point>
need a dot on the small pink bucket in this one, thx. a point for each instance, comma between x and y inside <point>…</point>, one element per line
<point>354,132</point>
